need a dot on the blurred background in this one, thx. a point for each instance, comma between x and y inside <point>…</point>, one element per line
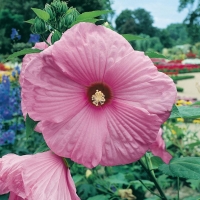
<point>166,24</point>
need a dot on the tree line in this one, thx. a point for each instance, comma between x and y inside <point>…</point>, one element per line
<point>137,22</point>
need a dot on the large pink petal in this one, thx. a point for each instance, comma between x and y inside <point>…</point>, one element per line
<point>158,148</point>
<point>80,138</point>
<point>131,130</point>
<point>10,174</point>
<point>26,60</point>
<point>86,51</point>
<point>41,176</point>
<point>46,177</point>
<point>49,95</point>
<point>28,57</point>
<point>134,78</point>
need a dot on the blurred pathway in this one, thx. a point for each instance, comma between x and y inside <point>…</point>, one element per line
<point>189,86</point>
<point>190,90</point>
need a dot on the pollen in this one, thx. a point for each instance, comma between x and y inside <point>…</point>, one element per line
<point>98,98</point>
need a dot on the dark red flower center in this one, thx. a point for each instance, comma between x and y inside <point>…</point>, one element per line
<point>99,94</point>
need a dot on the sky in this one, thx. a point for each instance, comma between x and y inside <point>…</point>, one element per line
<point>164,12</point>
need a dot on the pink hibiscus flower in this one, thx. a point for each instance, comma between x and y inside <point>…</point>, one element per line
<point>41,176</point>
<point>158,148</point>
<point>27,58</point>
<point>98,100</point>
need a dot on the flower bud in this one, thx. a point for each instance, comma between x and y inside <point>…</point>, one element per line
<point>51,11</point>
<point>90,176</point>
<point>39,26</point>
<point>126,194</point>
<point>56,35</point>
<point>60,7</point>
<point>61,24</point>
<point>63,8</point>
<point>70,17</point>
<point>88,173</point>
<point>107,25</point>
<point>55,5</point>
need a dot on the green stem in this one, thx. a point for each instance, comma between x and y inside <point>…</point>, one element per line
<point>178,187</point>
<point>149,189</point>
<point>45,40</point>
<point>153,178</point>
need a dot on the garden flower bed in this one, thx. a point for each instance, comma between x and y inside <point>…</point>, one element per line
<point>175,67</point>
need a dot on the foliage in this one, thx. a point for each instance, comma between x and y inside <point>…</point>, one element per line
<point>164,37</point>
<point>12,126</point>
<point>177,34</point>
<point>140,21</point>
<point>7,22</point>
<point>192,19</point>
<point>106,181</point>
<point>22,7</point>
<point>136,22</point>
<point>21,53</point>
<point>91,5</point>
<point>180,140</point>
<point>14,13</point>
<point>148,44</point>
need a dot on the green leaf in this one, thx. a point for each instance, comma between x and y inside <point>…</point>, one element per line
<point>30,125</point>
<point>164,181</point>
<point>197,103</point>
<point>21,53</point>
<point>152,54</point>
<point>92,14</point>
<point>187,167</point>
<point>41,14</point>
<point>192,198</point>
<point>131,37</point>
<point>194,184</point>
<point>137,184</point>
<point>148,183</point>
<point>56,36</point>
<point>98,197</point>
<point>30,21</point>
<point>175,112</point>
<point>77,178</point>
<point>165,170</point>
<point>100,22</point>
<point>86,190</point>
<point>185,112</point>
<point>42,148</point>
<point>91,20</point>
<point>192,145</point>
<point>4,197</point>
<point>156,162</point>
<point>189,112</point>
<point>117,179</point>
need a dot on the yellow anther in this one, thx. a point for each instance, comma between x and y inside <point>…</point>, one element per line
<point>98,98</point>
